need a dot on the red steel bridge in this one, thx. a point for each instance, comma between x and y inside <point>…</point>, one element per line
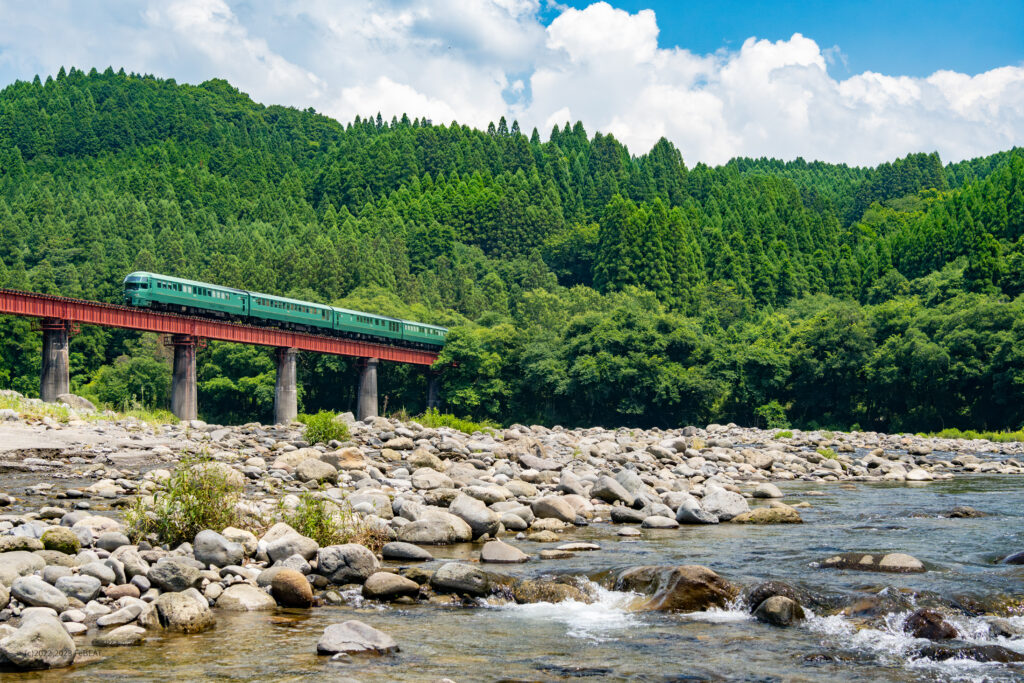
<point>62,315</point>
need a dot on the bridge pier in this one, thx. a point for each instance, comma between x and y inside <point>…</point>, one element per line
<point>366,404</point>
<point>184,403</point>
<point>286,392</point>
<point>433,390</point>
<point>55,377</point>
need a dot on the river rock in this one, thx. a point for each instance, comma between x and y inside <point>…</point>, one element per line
<point>659,522</point>
<point>502,553</point>
<point>19,563</point>
<point>80,587</point>
<point>291,589</point>
<point>405,552</point>
<point>313,469</point>
<point>221,470</point>
<point>611,491</point>
<point>481,519</point>
<point>439,529</point>
<point>1015,558</point>
<point>214,549</point>
<point>243,597</point>
<point>348,563</point>
<point>531,591</point>
<point>767,490</point>
<point>783,514</point>
<point>282,541</point>
<point>111,540</point>
<point>246,539</point>
<point>977,653</point>
<point>723,504</point>
<point>104,573</point>
<point>455,577</point>
<point>779,610</point>
<point>43,643</point>
<point>388,586</point>
<point>62,539</point>
<point>355,637</point>
<point>122,636</point>
<point>184,612</point>
<point>32,590</point>
<point>554,507</point>
<point>927,623</point>
<point>125,615</point>
<point>10,544</point>
<point>687,588</point>
<point>173,576</point>
<point>898,563</point>
<point>82,405</point>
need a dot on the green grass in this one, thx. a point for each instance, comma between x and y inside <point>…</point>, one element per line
<point>999,437</point>
<point>828,453</point>
<point>194,499</point>
<point>433,419</point>
<point>36,411</point>
<point>330,523</point>
<point>154,417</point>
<point>784,434</point>
<point>323,427</point>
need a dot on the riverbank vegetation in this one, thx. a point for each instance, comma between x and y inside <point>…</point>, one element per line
<point>583,284</point>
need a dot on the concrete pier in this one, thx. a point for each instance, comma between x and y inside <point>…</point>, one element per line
<point>183,382</point>
<point>54,379</point>
<point>366,405</point>
<point>286,391</point>
<point>433,390</point>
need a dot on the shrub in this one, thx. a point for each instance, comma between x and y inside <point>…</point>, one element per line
<point>997,437</point>
<point>786,434</point>
<point>828,453</point>
<point>331,523</point>
<point>324,427</point>
<point>773,414</point>
<point>195,498</point>
<point>432,419</point>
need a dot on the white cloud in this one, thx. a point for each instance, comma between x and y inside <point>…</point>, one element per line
<point>476,60</point>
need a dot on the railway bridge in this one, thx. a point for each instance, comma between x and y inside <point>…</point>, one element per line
<point>60,317</point>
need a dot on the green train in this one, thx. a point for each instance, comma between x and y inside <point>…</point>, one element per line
<point>172,294</point>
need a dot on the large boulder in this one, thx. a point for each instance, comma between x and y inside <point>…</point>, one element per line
<point>502,553</point>
<point>77,402</point>
<point>896,563</point>
<point>291,588</point>
<point>173,575</point>
<point>19,563</point>
<point>313,469</point>
<point>687,588</point>
<point>61,539</point>
<point>122,636</point>
<point>481,519</point>
<point>438,529</point>
<point>455,577</point>
<point>184,612</point>
<point>42,643</point>
<point>355,637</point>
<point>348,563</point>
<point>926,623</point>
<point>33,591</point>
<point>781,514</point>
<point>80,587</point>
<point>214,549</point>
<point>554,507</point>
<point>611,491</point>
<point>243,597</point>
<point>690,512</point>
<point>405,552</point>
<point>779,610</point>
<point>388,586</point>
<point>538,590</point>
<point>723,504</point>
<point>282,541</point>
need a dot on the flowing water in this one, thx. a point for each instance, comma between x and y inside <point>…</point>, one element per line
<point>608,640</point>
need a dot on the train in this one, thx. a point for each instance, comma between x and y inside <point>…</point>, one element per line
<point>175,295</point>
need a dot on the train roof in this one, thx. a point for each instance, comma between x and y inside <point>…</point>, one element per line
<point>287,300</point>
<point>182,281</point>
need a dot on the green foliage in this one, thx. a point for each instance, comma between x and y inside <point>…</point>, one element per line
<point>785,434</point>
<point>773,414</point>
<point>432,418</point>
<point>828,453</point>
<point>331,523</point>
<point>198,496</point>
<point>323,428</point>
<point>997,437</point>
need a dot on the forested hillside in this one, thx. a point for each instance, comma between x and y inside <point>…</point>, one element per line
<point>585,284</point>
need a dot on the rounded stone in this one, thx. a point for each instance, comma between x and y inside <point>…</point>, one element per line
<point>61,539</point>
<point>243,597</point>
<point>387,586</point>
<point>290,588</point>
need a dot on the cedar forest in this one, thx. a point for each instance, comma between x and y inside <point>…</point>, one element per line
<point>583,285</point>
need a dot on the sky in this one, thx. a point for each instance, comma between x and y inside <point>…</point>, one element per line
<point>854,82</point>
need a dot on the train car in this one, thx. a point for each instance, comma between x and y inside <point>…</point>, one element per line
<point>359,325</point>
<point>165,293</point>
<point>291,313</point>
<point>423,335</point>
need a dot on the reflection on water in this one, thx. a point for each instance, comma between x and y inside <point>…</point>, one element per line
<point>608,641</point>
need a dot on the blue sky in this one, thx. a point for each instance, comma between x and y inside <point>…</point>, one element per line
<point>859,83</point>
<point>894,37</point>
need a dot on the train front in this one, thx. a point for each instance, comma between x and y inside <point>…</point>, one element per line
<point>136,289</point>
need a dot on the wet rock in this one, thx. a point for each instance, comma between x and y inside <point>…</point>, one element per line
<point>1015,558</point>
<point>659,522</point>
<point>183,612</point>
<point>919,474</point>
<point>624,515</point>
<point>965,511</point>
<point>32,590</point>
<point>242,597</point>
<point>769,515</point>
<point>125,615</point>
<point>348,563</point>
<point>174,576</point>
<point>355,637</point>
<point>723,504</point>
<point>503,553</point>
<point>898,563</point>
<point>405,552</point>
<point>455,577</point>
<point>43,643</point>
<point>388,586</point>
<point>481,519</point>
<point>61,539</point>
<point>779,610</point>
<point>537,590</point>
<point>291,589</point>
<point>926,623</point>
<point>692,513</point>
<point>687,588</point>
<point>554,507</point>
<point>214,549</point>
<point>122,636</point>
<point>978,653</point>
<point>763,591</point>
